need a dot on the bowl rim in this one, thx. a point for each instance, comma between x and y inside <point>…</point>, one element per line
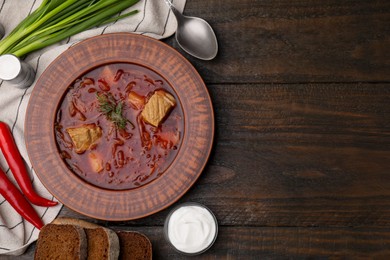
<point>134,38</point>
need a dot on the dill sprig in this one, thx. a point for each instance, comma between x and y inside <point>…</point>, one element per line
<point>112,109</point>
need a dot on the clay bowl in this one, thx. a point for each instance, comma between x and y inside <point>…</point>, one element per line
<point>107,204</point>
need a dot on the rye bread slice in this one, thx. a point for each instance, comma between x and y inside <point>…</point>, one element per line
<point>103,243</point>
<point>61,242</point>
<point>100,244</point>
<point>134,246</point>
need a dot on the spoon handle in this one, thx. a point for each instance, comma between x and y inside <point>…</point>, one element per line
<point>169,3</point>
<point>174,10</point>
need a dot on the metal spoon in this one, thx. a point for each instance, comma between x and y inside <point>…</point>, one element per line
<point>195,35</point>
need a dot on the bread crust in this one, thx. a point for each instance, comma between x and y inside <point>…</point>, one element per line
<point>113,240</point>
<point>75,222</point>
<point>113,244</point>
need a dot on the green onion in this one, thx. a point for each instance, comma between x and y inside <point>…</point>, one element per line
<point>56,20</point>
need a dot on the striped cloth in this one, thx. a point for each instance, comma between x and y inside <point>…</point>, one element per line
<point>154,19</point>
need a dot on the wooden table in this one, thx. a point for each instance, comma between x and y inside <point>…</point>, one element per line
<point>301,162</point>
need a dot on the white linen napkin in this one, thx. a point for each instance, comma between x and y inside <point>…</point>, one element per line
<point>153,19</point>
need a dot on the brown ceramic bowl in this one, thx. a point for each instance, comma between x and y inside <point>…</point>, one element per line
<point>119,205</point>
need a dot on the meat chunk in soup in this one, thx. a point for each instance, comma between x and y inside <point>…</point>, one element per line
<point>96,162</point>
<point>84,137</point>
<point>158,107</point>
<point>136,101</point>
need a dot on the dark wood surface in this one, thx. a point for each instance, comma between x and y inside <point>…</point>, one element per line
<point>300,166</point>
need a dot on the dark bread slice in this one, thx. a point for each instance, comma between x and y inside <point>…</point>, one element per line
<point>97,243</point>
<point>103,243</point>
<point>61,242</point>
<point>134,246</point>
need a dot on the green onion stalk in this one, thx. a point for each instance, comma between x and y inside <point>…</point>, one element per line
<point>56,20</point>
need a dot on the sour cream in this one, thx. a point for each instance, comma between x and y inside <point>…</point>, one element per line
<point>191,228</point>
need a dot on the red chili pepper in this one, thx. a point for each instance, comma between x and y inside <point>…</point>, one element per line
<point>18,201</point>
<point>16,164</point>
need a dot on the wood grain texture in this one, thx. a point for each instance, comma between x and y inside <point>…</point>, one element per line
<point>296,41</point>
<point>300,155</point>
<point>300,165</point>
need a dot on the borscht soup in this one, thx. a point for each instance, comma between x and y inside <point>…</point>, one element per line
<point>119,126</point>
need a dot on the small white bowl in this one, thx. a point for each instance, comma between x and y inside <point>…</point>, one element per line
<point>191,204</point>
